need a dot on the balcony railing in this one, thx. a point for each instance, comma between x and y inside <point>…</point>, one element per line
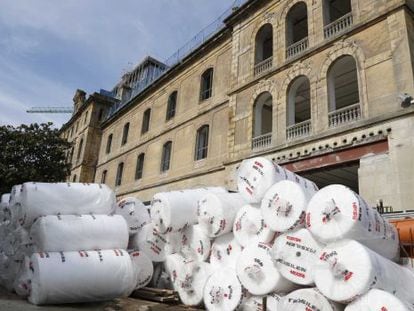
<point>262,141</point>
<point>345,115</point>
<point>338,26</point>
<point>297,48</point>
<point>297,130</point>
<point>263,66</point>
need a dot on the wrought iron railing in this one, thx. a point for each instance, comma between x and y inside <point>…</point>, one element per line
<point>262,141</point>
<point>345,115</point>
<point>297,48</point>
<point>263,66</point>
<point>297,130</point>
<point>338,26</point>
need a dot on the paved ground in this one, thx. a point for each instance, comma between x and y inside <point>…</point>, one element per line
<point>11,302</point>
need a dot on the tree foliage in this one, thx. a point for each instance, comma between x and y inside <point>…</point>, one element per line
<point>32,152</point>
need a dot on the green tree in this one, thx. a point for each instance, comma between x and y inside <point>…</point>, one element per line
<point>32,152</point>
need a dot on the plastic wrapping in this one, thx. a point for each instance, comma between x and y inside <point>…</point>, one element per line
<point>223,291</point>
<point>67,277</point>
<point>256,303</point>
<point>135,213</point>
<point>143,268</point>
<point>41,199</point>
<point>258,273</point>
<point>216,212</point>
<point>4,207</point>
<point>225,251</point>
<point>75,233</point>
<point>308,299</point>
<point>336,212</point>
<point>250,227</point>
<point>195,243</point>
<point>174,266</point>
<point>255,176</point>
<point>348,269</point>
<point>296,254</point>
<point>377,299</point>
<point>284,205</point>
<point>173,211</point>
<point>22,283</point>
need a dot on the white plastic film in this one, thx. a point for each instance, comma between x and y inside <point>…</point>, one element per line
<point>135,213</point>
<point>262,303</point>
<point>377,299</point>
<point>195,243</point>
<point>174,266</point>
<point>225,251</point>
<point>22,283</point>
<point>143,268</point>
<point>308,299</point>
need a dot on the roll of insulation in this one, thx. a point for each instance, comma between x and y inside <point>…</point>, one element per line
<point>41,199</point>
<point>308,299</point>
<point>336,212</point>
<point>143,268</point>
<point>135,213</point>
<point>255,176</point>
<point>296,254</point>
<point>22,283</point>
<point>195,243</point>
<point>5,199</point>
<point>216,212</point>
<point>347,270</point>
<point>68,277</point>
<point>173,211</point>
<point>15,203</point>
<point>250,227</point>
<point>377,299</point>
<point>262,303</point>
<point>5,214</point>
<point>284,205</point>
<point>223,291</point>
<point>174,266</point>
<point>257,271</point>
<point>75,233</point>
<point>225,251</point>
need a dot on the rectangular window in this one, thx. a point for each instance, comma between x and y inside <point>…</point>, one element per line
<point>103,178</point>
<point>206,89</point>
<point>166,156</point>
<point>172,102</point>
<point>109,144</point>
<point>125,134</point>
<point>140,166</point>
<point>119,174</point>
<point>146,121</point>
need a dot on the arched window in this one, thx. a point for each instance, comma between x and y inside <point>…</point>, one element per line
<point>109,143</point>
<point>166,156</point>
<point>140,166</point>
<point>206,88</point>
<point>119,173</point>
<point>297,29</point>
<point>103,177</point>
<point>79,150</point>
<point>201,148</point>
<point>171,105</point>
<point>262,115</point>
<point>264,49</point>
<point>146,121</point>
<point>299,109</point>
<point>125,134</point>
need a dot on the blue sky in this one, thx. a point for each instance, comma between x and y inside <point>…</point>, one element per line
<point>49,48</point>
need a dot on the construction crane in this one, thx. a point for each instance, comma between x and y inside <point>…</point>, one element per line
<point>50,110</point>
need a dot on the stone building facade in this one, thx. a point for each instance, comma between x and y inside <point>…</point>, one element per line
<point>322,87</point>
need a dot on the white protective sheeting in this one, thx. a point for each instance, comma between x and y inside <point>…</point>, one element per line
<point>41,199</point>
<point>223,291</point>
<point>75,233</point>
<point>257,303</point>
<point>255,176</point>
<point>295,254</point>
<point>195,243</point>
<point>173,211</point>
<point>22,282</point>
<point>250,227</point>
<point>4,207</point>
<point>135,213</point>
<point>284,205</point>
<point>83,276</point>
<point>258,273</point>
<point>377,299</point>
<point>308,299</point>
<point>216,212</point>
<point>143,268</point>
<point>225,251</point>
<point>174,266</point>
<point>336,212</point>
<point>15,203</point>
<point>347,270</point>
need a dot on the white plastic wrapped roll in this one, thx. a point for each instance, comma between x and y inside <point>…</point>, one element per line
<point>143,268</point>
<point>75,233</point>
<point>15,203</point>
<point>336,212</point>
<point>347,270</point>
<point>284,205</point>
<point>135,213</point>
<point>192,281</point>
<point>41,199</point>
<point>5,198</point>
<point>308,299</point>
<point>256,303</point>
<point>258,273</point>
<point>174,266</point>
<point>195,243</point>
<point>225,251</point>
<point>22,282</point>
<point>377,299</point>
<point>296,254</point>
<point>250,227</point>
<point>68,277</point>
<point>223,291</point>
<point>4,208</point>
<point>216,212</point>
<point>173,211</point>
<point>255,176</point>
